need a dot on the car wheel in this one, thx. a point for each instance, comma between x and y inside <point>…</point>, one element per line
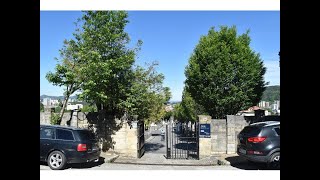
<point>274,162</point>
<point>56,160</point>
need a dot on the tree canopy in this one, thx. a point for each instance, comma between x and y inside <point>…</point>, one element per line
<point>99,64</point>
<point>224,74</point>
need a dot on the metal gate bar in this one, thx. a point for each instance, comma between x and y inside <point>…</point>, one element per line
<point>182,141</point>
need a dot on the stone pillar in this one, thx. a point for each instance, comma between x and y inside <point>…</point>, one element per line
<point>45,117</point>
<point>231,135</point>
<point>74,119</point>
<point>204,143</point>
<point>126,141</point>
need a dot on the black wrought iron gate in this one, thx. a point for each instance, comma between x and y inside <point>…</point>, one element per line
<point>141,149</point>
<point>182,141</point>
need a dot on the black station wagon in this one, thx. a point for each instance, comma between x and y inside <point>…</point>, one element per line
<point>60,145</point>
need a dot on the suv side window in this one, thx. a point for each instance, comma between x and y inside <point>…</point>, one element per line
<point>277,130</point>
<point>64,134</point>
<point>46,133</point>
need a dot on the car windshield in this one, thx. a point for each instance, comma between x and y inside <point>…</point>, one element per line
<point>86,135</point>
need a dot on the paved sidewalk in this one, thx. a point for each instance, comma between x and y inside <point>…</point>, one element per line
<point>228,159</point>
<point>108,157</point>
<point>159,159</point>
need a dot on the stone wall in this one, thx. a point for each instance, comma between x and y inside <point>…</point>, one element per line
<point>218,136</point>
<point>115,135</point>
<point>234,125</point>
<point>224,133</point>
<point>126,141</point>
<point>45,117</point>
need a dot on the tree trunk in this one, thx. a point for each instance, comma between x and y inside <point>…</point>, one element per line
<point>65,101</point>
<point>99,106</point>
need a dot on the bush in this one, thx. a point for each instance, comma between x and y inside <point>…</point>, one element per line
<point>54,119</point>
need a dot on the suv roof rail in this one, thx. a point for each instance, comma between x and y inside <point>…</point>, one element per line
<point>267,123</point>
<point>64,127</point>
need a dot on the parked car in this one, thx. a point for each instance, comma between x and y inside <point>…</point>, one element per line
<point>60,145</point>
<point>260,142</point>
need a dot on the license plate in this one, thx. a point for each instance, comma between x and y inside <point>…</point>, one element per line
<point>242,151</point>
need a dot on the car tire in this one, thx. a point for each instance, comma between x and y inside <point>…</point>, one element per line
<point>274,161</point>
<point>56,160</point>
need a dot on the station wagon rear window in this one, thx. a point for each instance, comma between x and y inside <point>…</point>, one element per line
<point>64,134</point>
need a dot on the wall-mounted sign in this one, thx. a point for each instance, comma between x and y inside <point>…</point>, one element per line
<point>204,131</point>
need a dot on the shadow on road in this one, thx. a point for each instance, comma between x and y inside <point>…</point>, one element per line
<point>86,165</point>
<point>241,163</point>
<point>81,165</point>
<point>153,147</point>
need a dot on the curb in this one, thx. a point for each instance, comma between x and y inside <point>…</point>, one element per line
<point>110,160</point>
<point>162,164</point>
<point>223,162</point>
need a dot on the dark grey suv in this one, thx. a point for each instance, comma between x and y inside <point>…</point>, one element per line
<point>260,142</point>
<point>60,145</point>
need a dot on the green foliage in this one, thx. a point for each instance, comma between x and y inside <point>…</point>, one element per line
<point>168,114</point>
<point>147,96</point>
<point>188,109</point>
<point>224,74</point>
<point>57,109</point>
<point>107,58</point>
<point>54,119</point>
<point>41,107</point>
<point>271,94</point>
<point>100,65</point>
<point>67,72</point>
<point>89,108</point>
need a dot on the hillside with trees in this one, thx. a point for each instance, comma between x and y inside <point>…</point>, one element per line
<point>271,93</point>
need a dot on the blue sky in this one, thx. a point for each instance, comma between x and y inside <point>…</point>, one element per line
<point>169,37</point>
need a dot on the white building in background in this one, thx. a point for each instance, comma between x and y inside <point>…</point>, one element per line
<point>267,104</point>
<point>262,104</point>
<point>46,101</point>
<point>169,107</point>
<point>54,102</point>
<point>274,107</point>
<point>74,107</point>
<point>278,104</point>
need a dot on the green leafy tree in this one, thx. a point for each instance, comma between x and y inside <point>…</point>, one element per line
<point>107,58</point>
<point>147,96</point>
<point>179,113</point>
<point>224,74</point>
<point>188,109</point>
<point>89,108</point>
<point>67,73</point>
<point>41,107</point>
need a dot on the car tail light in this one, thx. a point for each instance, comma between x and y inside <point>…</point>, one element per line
<point>254,152</point>
<point>82,147</point>
<point>256,139</point>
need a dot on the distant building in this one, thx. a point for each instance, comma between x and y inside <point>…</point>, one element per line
<point>248,112</point>
<point>262,104</point>
<point>278,104</point>
<point>251,111</point>
<point>169,107</point>
<point>267,104</point>
<point>274,107</point>
<point>74,107</point>
<point>46,101</point>
<point>54,102</point>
